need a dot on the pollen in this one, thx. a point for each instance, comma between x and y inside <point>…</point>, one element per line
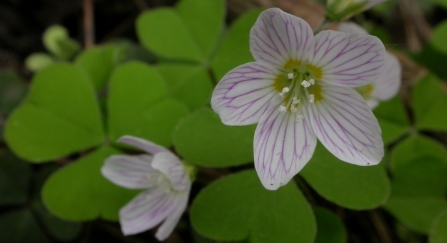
<point>282,108</point>
<point>290,75</point>
<point>305,84</point>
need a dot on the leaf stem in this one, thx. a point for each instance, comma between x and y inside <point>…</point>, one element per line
<point>89,24</point>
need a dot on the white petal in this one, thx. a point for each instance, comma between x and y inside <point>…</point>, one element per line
<point>351,27</point>
<point>348,60</point>
<point>133,172</point>
<point>388,84</point>
<point>171,221</point>
<point>243,94</point>
<point>278,37</point>
<point>283,144</point>
<point>173,169</point>
<point>146,210</point>
<point>345,125</point>
<point>142,144</point>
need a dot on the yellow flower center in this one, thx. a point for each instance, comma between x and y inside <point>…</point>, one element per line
<point>298,84</point>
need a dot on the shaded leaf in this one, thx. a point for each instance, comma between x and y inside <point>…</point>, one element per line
<point>59,116</point>
<point>78,192</point>
<point>237,207</point>
<point>203,140</point>
<point>347,185</point>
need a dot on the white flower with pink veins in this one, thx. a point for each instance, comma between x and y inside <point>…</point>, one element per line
<point>300,88</point>
<point>388,84</point>
<point>166,180</point>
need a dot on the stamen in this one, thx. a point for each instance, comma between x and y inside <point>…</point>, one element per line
<point>290,75</point>
<point>305,84</point>
<point>311,98</point>
<point>295,100</point>
<point>282,108</point>
<point>285,90</point>
<point>312,81</point>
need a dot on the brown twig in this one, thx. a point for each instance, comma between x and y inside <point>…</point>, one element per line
<point>89,24</point>
<point>381,228</point>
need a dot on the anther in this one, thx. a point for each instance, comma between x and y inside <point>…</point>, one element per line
<point>311,98</point>
<point>285,90</point>
<point>290,75</point>
<point>282,108</point>
<point>300,117</point>
<point>305,84</point>
<point>295,100</point>
<point>293,109</point>
<point>312,81</point>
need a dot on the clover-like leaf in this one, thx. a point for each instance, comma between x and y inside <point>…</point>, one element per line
<point>417,146</point>
<point>236,40</point>
<point>203,140</point>
<point>418,192</point>
<point>439,35</point>
<point>12,91</point>
<point>392,119</point>
<point>330,228</point>
<point>438,234</point>
<point>20,226</point>
<point>98,62</point>
<point>187,83</point>
<point>348,185</point>
<point>189,31</point>
<point>14,179</point>
<point>238,207</point>
<point>138,104</point>
<point>79,192</point>
<point>59,116</point>
<point>430,104</point>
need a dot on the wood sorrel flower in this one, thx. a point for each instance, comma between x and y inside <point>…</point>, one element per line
<point>388,84</point>
<point>300,89</point>
<point>162,174</point>
<point>339,10</point>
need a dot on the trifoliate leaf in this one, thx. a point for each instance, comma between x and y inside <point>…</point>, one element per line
<point>189,32</point>
<point>438,234</point>
<point>348,185</point>
<point>138,105</point>
<point>98,62</point>
<point>203,140</point>
<point>430,104</point>
<point>392,119</point>
<point>79,192</point>
<point>59,116</point>
<point>238,207</point>
<point>330,229</point>
<point>235,41</point>
<point>187,83</point>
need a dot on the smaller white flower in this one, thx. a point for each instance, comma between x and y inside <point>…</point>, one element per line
<point>388,84</point>
<point>165,177</point>
<point>338,10</point>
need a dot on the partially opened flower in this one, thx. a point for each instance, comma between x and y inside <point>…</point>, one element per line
<point>339,10</point>
<point>166,179</point>
<point>300,89</point>
<point>387,85</point>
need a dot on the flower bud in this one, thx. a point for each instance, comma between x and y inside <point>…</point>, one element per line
<point>339,10</point>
